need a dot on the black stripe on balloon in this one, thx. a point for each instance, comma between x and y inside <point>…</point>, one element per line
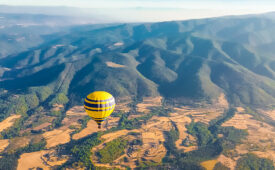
<point>110,99</point>
<point>99,105</point>
<point>99,120</point>
<point>99,110</point>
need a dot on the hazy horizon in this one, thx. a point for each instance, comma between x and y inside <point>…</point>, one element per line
<point>144,11</point>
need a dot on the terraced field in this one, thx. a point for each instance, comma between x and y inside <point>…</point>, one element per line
<point>146,145</point>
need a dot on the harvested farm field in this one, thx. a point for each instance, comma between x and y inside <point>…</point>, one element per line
<point>44,159</point>
<point>8,122</point>
<point>57,137</point>
<point>4,143</point>
<point>92,127</point>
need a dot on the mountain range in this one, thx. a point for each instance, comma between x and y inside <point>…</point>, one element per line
<point>193,60</point>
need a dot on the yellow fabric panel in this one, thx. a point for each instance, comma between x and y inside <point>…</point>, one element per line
<point>101,114</point>
<point>96,101</point>
<point>99,95</point>
<point>102,108</point>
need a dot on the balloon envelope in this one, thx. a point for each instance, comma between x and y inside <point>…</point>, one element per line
<point>99,105</point>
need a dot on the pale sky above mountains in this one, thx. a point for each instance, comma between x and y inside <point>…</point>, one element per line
<point>263,5</point>
<point>158,10</point>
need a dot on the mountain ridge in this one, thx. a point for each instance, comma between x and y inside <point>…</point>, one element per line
<point>176,60</point>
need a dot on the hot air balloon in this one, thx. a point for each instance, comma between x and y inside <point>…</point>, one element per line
<point>99,105</point>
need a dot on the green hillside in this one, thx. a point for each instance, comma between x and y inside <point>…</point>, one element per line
<point>194,60</point>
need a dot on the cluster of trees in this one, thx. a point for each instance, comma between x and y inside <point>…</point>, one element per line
<point>136,123</point>
<point>24,104</point>
<point>209,144</point>
<point>125,123</point>
<point>112,150</point>
<point>80,151</point>
<point>220,166</point>
<point>42,92</point>
<point>21,103</point>
<point>209,147</point>
<point>145,164</point>
<point>251,161</point>
<point>174,158</point>
<point>201,131</point>
<point>8,161</point>
<point>17,105</point>
<point>231,136</point>
<point>60,98</point>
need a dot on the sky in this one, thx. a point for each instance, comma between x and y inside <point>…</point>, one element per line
<point>261,5</point>
<point>158,10</point>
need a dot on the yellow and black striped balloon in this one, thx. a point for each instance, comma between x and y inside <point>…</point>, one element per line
<point>99,105</point>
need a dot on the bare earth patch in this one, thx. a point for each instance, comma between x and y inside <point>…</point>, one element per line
<point>4,144</point>
<point>240,121</point>
<point>209,165</point>
<point>222,102</point>
<point>149,102</point>
<point>62,134</point>
<point>114,65</point>
<point>42,159</point>
<point>181,121</point>
<point>57,107</point>
<point>269,113</point>
<point>208,112</point>
<point>122,104</point>
<point>228,162</point>
<point>204,114</point>
<point>153,138</point>
<point>152,148</point>
<point>269,154</point>
<point>73,116</point>
<point>18,142</point>
<point>260,139</point>
<point>240,109</point>
<point>92,127</point>
<point>37,122</point>
<point>57,136</point>
<point>111,136</point>
<point>134,116</point>
<point>76,111</point>
<point>42,126</point>
<point>8,122</point>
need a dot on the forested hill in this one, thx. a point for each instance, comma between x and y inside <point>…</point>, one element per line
<point>193,60</point>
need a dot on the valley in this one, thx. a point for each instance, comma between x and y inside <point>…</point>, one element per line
<point>146,143</point>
